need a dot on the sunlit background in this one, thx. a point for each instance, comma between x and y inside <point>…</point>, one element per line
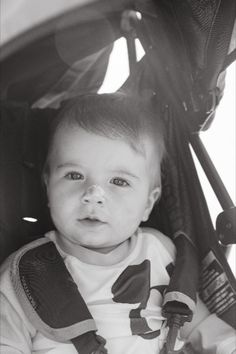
<point>219,139</point>
<point>220,142</point>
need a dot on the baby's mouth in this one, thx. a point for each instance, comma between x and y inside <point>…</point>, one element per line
<point>91,222</point>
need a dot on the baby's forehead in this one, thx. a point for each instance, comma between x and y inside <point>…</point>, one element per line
<point>72,135</point>
<point>142,144</point>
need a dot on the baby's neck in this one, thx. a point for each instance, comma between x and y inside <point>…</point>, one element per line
<point>101,256</point>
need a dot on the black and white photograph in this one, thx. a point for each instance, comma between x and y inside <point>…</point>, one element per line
<point>117,177</point>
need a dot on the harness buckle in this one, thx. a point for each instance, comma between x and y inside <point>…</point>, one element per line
<point>177,314</point>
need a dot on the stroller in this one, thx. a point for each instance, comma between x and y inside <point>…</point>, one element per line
<point>62,51</point>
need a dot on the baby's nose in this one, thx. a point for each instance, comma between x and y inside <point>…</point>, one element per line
<point>94,195</point>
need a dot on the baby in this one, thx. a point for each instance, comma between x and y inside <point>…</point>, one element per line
<point>102,177</point>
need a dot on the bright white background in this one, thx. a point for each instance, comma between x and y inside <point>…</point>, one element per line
<point>220,142</point>
<point>219,139</point>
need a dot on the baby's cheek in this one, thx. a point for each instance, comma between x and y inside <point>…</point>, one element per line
<point>128,219</point>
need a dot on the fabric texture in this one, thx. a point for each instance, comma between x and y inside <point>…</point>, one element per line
<point>61,315</point>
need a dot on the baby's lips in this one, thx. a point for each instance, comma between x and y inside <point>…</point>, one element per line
<point>91,222</point>
<point>92,218</point>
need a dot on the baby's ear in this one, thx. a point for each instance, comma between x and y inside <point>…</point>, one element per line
<point>153,197</point>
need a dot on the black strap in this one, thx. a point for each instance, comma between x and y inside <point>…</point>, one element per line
<point>51,299</point>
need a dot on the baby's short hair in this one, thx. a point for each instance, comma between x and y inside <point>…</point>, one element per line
<point>116,116</point>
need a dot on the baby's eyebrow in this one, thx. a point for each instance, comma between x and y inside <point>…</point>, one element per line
<point>67,165</point>
<point>124,172</point>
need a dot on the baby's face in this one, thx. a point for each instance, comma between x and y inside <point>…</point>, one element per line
<point>98,189</point>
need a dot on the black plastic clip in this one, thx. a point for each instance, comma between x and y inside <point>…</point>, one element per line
<point>176,314</point>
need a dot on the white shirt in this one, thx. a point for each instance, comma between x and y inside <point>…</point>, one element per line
<point>124,298</point>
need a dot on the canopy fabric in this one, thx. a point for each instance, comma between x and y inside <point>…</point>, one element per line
<point>21,16</point>
<point>196,37</point>
<point>80,43</point>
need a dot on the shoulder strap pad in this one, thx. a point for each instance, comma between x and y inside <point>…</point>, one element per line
<point>48,295</point>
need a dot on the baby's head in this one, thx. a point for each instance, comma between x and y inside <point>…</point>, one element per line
<point>119,117</point>
<point>103,169</point>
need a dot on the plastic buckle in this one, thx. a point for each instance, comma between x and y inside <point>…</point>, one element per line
<point>174,322</point>
<point>176,314</point>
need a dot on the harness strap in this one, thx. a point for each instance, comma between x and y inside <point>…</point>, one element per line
<point>50,298</point>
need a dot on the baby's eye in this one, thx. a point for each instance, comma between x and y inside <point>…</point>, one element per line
<point>74,176</point>
<point>121,182</point>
